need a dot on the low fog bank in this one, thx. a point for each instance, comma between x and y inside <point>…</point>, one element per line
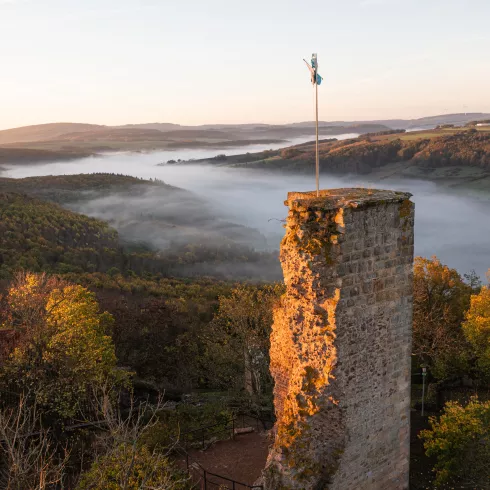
<point>164,217</point>
<point>247,206</point>
<point>194,237</point>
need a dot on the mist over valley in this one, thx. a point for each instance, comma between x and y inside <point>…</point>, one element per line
<point>216,205</point>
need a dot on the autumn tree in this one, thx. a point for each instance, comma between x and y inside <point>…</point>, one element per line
<point>123,461</point>
<point>129,467</point>
<point>460,442</point>
<point>476,328</point>
<point>157,339</point>
<point>441,298</point>
<point>27,461</point>
<point>63,350</point>
<point>237,340</point>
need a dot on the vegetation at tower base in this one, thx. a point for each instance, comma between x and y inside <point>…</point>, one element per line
<point>133,468</point>
<point>237,340</point>
<point>460,442</point>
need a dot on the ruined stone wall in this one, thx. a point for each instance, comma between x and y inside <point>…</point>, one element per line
<point>341,343</point>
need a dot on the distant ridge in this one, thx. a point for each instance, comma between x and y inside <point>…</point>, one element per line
<point>73,131</point>
<point>43,132</point>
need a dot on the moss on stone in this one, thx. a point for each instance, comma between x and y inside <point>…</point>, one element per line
<point>405,208</point>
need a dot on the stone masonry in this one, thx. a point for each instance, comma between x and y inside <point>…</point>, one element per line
<point>341,343</point>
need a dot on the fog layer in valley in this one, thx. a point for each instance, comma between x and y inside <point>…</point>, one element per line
<point>453,227</point>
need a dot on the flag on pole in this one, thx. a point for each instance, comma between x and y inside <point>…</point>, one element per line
<point>316,80</point>
<point>315,77</point>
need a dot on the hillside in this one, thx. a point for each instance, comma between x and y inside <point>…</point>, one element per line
<point>38,236</point>
<point>160,229</point>
<point>368,153</point>
<point>64,189</point>
<point>66,141</point>
<point>26,156</point>
<point>41,132</point>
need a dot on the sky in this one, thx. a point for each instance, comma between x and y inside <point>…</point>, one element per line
<point>229,61</point>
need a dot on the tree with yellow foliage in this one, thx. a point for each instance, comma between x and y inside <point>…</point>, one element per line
<point>237,340</point>
<point>460,442</point>
<point>441,298</point>
<point>63,349</point>
<point>476,328</point>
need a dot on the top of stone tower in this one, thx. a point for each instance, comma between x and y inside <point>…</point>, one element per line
<point>344,198</point>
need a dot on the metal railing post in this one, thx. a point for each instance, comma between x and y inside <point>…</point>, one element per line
<point>424,374</point>
<point>233,428</point>
<point>205,480</point>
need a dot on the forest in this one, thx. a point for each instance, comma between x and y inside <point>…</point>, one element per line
<point>55,238</point>
<point>96,329</point>
<point>369,152</point>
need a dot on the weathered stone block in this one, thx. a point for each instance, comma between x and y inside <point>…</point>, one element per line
<point>340,345</point>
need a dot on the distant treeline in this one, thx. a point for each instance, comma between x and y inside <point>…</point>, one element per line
<point>364,154</point>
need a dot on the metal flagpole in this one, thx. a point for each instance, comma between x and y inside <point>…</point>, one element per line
<point>317,153</point>
<point>316,80</point>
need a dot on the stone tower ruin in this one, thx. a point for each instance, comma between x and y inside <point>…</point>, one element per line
<point>341,343</point>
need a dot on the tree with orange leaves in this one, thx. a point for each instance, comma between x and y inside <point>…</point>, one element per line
<point>476,328</point>
<point>63,349</point>
<point>441,298</point>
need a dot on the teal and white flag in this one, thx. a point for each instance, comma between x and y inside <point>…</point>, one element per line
<point>315,77</point>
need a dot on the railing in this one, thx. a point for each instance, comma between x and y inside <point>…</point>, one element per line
<point>212,480</point>
<point>204,433</point>
<point>209,480</point>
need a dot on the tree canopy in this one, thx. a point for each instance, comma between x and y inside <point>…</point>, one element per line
<point>441,298</point>
<point>476,328</point>
<point>63,349</point>
<point>460,442</point>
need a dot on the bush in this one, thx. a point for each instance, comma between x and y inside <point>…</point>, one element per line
<point>133,469</point>
<point>289,153</point>
<point>477,330</point>
<point>62,350</point>
<point>460,442</point>
<point>187,417</point>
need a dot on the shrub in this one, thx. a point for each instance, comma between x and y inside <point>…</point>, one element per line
<point>460,442</point>
<point>133,468</point>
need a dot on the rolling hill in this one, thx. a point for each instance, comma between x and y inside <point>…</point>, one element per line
<point>154,228</point>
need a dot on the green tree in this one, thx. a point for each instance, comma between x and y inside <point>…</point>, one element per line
<point>237,340</point>
<point>63,350</point>
<point>441,298</point>
<point>127,467</point>
<point>460,442</point>
<point>124,461</point>
<point>476,328</point>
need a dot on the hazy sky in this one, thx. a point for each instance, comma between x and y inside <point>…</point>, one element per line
<point>199,61</point>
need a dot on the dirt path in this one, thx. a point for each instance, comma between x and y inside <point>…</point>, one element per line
<point>241,459</point>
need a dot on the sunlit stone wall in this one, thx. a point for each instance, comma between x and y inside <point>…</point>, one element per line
<point>340,346</point>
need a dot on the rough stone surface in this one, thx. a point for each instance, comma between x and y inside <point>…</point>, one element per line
<point>341,343</point>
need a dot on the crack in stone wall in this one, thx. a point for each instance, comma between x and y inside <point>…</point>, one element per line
<point>340,345</point>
